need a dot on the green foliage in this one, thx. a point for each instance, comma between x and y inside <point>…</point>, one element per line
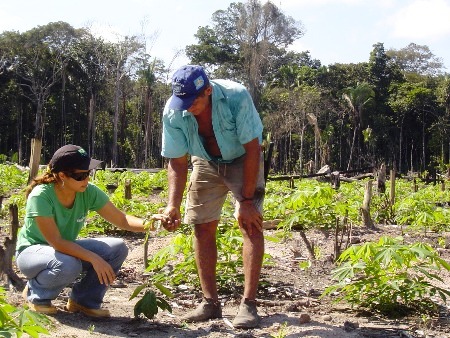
<point>143,185</point>
<point>12,178</point>
<point>389,276</point>
<point>18,321</point>
<point>168,267</point>
<point>308,206</point>
<point>282,331</point>
<point>149,304</point>
<point>316,205</point>
<point>420,211</point>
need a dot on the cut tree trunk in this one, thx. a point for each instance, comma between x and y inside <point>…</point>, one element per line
<point>381,179</point>
<point>7,249</point>
<point>35,157</point>
<point>365,209</point>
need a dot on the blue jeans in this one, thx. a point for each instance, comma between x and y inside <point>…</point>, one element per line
<point>49,271</point>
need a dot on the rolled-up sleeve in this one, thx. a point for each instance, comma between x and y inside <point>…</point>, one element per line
<point>248,123</point>
<point>174,143</point>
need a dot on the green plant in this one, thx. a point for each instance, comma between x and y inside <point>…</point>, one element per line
<point>442,242</point>
<point>420,211</point>
<point>282,331</point>
<point>304,265</point>
<point>19,321</point>
<point>149,303</point>
<point>91,329</point>
<point>12,178</point>
<point>389,276</point>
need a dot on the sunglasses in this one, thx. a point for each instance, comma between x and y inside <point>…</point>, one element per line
<point>79,176</point>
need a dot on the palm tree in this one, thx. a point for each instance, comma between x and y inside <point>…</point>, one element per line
<point>356,98</point>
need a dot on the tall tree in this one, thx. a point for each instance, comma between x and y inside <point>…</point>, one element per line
<point>416,59</point>
<point>125,60</point>
<point>356,98</point>
<point>244,41</point>
<point>38,59</point>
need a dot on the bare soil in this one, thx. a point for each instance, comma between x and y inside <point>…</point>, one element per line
<point>288,300</point>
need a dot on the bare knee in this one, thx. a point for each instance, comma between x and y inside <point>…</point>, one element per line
<point>206,230</point>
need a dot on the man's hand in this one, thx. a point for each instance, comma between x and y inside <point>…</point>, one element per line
<point>249,217</point>
<point>173,218</point>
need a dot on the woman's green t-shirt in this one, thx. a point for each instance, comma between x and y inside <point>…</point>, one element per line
<point>43,201</point>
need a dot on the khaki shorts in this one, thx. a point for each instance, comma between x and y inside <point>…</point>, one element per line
<point>209,185</point>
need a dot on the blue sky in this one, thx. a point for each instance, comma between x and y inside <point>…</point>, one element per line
<point>337,31</point>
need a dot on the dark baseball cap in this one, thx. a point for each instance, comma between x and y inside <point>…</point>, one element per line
<point>187,83</point>
<point>70,157</point>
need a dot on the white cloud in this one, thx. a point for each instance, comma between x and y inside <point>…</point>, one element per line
<point>289,4</point>
<point>107,32</point>
<point>8,21</point>
<point>422,19</point>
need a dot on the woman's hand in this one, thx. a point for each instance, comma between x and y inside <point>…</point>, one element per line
<point>105,272</point>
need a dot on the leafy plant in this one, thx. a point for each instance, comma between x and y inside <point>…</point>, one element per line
<point>282,331</point>
<point>420,211</point>
<point>149,303</point>
<point>12,178</point>
<point>19,321</point>
<point>389,276</point>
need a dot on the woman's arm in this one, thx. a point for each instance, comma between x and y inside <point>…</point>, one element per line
<point>51,233</point>
<point>126,222</point>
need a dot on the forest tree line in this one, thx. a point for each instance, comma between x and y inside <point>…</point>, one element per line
<point>60,84</point>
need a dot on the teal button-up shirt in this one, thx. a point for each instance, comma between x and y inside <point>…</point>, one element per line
<point>234,118</point>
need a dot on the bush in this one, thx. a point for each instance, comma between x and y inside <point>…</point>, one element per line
<point>389,277</point>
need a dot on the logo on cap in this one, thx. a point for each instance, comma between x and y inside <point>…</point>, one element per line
<point>82,152</point>
<point>199,82</point>
<point>178,89</point>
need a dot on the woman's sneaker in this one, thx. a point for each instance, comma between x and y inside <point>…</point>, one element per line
<point>46,309</point>
<point>73,306</point>
<point>208,309</point>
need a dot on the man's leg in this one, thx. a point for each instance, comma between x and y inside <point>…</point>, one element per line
<point>253,252</point>
<point>206,257</point>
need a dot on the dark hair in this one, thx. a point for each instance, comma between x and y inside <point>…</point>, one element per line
<point>46,178</point>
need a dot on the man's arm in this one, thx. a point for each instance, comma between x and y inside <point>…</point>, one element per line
<point>251,166</point>
<point>248,215</point>
<point>177,176</point>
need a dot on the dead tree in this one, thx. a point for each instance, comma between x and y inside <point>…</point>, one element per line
<point>7,250</point>
<point>392,201</point>
<point>365,209</point>
<point>381,179</point>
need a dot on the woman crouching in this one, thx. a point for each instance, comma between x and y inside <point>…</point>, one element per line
<point>48,251</point>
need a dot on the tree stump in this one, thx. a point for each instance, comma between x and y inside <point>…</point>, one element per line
<point>381,179</point>
<point>7,250</point>
<point>335,180</point>
<point>128,189</point>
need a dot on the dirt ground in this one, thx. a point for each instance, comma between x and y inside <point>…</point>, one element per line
<point>288,302</point>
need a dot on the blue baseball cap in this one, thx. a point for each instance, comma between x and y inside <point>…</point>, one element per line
<point>187,83</point>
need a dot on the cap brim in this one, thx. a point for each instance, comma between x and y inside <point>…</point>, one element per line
<point>94,164</point>
<point>177,103</point>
